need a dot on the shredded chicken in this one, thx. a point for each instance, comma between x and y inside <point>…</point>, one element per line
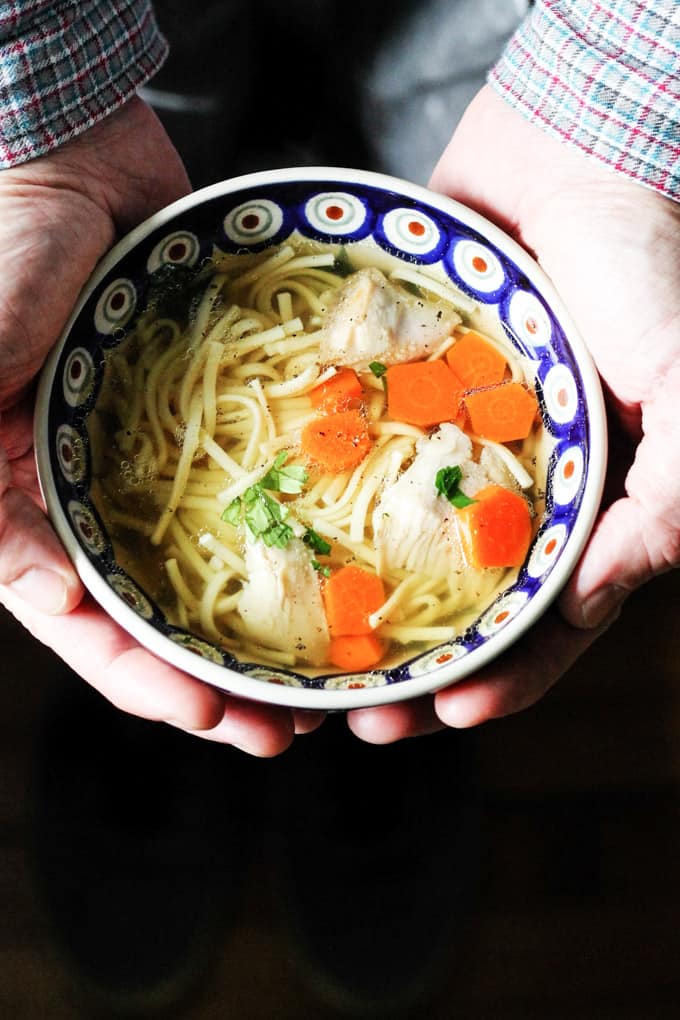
<point>374,321</point>
<point>281,605</point>
<point>414,526</point>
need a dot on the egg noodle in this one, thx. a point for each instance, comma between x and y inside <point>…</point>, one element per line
<point>199,411</point>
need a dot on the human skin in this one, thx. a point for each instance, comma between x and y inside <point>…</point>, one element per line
<point>612,249</point>
<point>58,215</point>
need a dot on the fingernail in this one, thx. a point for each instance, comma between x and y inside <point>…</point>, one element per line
<point>603,606</point>
<point>43,589</point>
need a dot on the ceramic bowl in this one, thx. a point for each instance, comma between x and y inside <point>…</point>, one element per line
<point>506,291</point>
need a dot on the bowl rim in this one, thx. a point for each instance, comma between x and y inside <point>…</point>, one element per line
<point>341,699</point>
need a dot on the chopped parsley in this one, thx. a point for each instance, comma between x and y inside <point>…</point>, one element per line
<point>447,484</point>
<point>325,571</point>
<point>290,480</point>
<point>378,369</point>
<point>316,542</point>
<point>263,515</point>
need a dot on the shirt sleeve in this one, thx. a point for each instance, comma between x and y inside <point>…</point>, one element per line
<point>66,64</point>
<point>604,77</point>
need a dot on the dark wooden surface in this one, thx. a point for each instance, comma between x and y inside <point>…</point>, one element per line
<point>576,913</point>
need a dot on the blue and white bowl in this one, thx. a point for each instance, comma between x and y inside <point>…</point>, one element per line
<point>423,229</point>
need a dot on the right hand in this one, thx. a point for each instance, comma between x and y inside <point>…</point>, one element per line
<point>58,215</point>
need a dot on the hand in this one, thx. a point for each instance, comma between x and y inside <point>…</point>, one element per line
<point>611,248</point>
<point>58,215</point>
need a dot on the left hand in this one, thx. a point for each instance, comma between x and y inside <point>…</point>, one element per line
<point>612,250</point>
<point>58,216</point>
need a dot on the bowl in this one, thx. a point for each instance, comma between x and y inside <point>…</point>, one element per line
<point>499,289</point>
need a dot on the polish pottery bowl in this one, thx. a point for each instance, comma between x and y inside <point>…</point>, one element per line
<point>431,246</point>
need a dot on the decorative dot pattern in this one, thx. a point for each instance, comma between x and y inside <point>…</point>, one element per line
<point>335,213</point>
<point>253,222</point>
<point>116,306</point>
<point>546,550</point>
<point>411,231</point>
<point>568,475</point>
<point>194,644</point>
<point>274,676</point>
<point>131,595</point>
<point>528,320</point>
<point>87,528</point>
<point>560,394</point>
<point>71,454</point>
<point>478,268</point>
<point>504,609</point>
<point>442,656</point>
<point>355,681</point>
<point>182,247</point>
<point>78,377</point>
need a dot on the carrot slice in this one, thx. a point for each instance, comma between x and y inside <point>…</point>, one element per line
<point>476,362</point>
<point>356,652</point>
<point>338,391</point>
<point>337,441</point>
<point>423,393</point>
<point>350,596</point>
<point>496,528</point>
<point>502,413</point>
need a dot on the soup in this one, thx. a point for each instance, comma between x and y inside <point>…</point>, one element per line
<point>315,457</point>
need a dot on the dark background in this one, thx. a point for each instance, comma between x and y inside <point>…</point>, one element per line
<point>574,911</point>
<point>563,894</point>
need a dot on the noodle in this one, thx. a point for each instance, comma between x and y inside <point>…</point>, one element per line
<point>200,412</point>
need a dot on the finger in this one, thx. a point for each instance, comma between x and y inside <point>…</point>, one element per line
<point>519,678</point>
<point>626,549</point>
<point>111,661</point>
<point>389,723</point>
<point>33,563</point>
<point>260,730</point>
<point>307,721</point>
<point>135,681</point>
<point>638,537</point>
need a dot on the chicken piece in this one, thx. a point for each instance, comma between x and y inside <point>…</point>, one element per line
<point>413,525</point>
<point>374,321</point>
<point>281,605</point>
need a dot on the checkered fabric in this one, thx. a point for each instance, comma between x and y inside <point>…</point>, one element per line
<point>605,77</point>
<point>65,64</point>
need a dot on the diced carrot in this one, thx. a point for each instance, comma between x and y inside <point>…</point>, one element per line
<point>502,413</point>
<point>337,441</point>
<point>496,528</point>
<point>350,595</point>
<point>356,652</point>
<point>476,362</point>
<point>338,391</point>
<point>423,393</point>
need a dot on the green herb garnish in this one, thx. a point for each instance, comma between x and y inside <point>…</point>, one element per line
<point>290,480</point>
<point>326,571</point>
<point>378,369</point>
<point>263,515</point>
<point>342,265</point>
<point>316,542</point>
<point>447,484</point>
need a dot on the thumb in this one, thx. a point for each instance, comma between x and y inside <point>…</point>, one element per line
<point>627,549</point>
<point>638,536</point>
<point>33,563</point>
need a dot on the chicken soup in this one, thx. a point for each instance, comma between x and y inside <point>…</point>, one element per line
<point>314,461</point>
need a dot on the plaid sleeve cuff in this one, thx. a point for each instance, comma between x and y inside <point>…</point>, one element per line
<point>66,65</point>
<point>604,77</point>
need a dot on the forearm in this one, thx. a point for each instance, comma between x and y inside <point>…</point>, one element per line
<point>66,64</point>
<point>603,77</point>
